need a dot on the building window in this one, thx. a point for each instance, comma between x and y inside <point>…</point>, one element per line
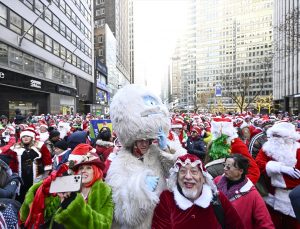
<point>39,7</point>
<point>48,71</point>
<point>55,23</point>
<point>39,69</point>
<point>68,12</point>
<point>29,3</point>
<point>62,6</point>
<point>68,34</point>
<point>48,16</point>
<point>69,56</point>
<point>62,29</point>
<point>3,54</point>
<point>15,22</point>
<point>28,64</point>
<point>62,52</point>
<point>15,58</point>
<point>74,59</point>
<point>55,48</point>
<point>74,37</point>
<point>3,15</point>
<point>39,37</point>
<point>102,11</point>
<point>48,43</point>
<point>100,52</point>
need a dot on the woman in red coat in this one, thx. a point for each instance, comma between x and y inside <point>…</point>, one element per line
<point>243,195</point>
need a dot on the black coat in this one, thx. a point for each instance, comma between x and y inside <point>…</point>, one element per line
<point>196,146</point>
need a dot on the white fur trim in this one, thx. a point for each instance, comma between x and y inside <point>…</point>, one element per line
<point>176,126</point>
<point>281,202</point>
<point>244,124</point>
<point>134,203</point>
<point>77,158</point>
<point>27,133</point>
<point>284,129</point>
<point>202,201</point>
<point>273,171</point>
<point>247,186</point>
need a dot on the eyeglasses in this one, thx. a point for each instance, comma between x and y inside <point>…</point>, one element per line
<point>193,172</point>
<point>226,166</point>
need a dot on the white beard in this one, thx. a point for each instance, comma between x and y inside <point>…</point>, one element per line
<point>190,194</point>
<point>282,150</point>
<point>44,136</point>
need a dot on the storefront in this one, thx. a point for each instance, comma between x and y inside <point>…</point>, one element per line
<point>33,95</point>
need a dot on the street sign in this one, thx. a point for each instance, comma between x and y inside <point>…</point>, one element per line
<point>218,90</point>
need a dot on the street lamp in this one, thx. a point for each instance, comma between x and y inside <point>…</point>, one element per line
<point>20,39</point>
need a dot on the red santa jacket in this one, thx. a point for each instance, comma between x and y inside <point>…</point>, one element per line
<point>16,151</point>
<point>237,146</point>
<point>281,180</point>
<point>174,211</point>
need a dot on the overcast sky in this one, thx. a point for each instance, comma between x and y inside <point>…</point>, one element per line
<point>158,24</point>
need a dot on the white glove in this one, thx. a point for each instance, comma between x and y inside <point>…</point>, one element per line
<point>292,172</point>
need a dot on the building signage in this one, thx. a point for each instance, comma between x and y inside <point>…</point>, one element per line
<point>64,90</point>
<point>11,78</point>
<point>36,84</point>
<point>101,67</point>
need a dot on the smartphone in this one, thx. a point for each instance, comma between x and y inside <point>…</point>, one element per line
<point>71,183</point>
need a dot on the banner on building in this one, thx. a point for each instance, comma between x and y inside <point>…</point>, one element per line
<point>218,90</point>
<point>96,125</point>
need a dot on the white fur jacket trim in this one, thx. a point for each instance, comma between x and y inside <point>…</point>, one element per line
<point>280,201</point>
<point>273,171</point>
<point>107,144</point>
<point>203,201</point>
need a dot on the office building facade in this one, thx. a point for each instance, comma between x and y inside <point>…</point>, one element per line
<point>46,59</point>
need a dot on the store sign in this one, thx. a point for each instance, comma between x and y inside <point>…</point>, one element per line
<point>36,84</point>
<point>64,90</point>
<point>2,75</point>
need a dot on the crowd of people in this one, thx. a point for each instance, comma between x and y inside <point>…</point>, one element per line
<point>153,169</point>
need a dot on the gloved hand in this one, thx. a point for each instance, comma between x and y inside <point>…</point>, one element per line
<point>162,139</point>
<point>152,182</point>
<point>292,172</point>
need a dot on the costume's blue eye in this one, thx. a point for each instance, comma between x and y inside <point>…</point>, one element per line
<point>150,101</point>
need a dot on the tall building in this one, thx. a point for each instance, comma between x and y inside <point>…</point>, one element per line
<point>286,82</point>
<point>111,32</point>
<point>234,49</point>
<point>188,59</point>
<point>46,59</point>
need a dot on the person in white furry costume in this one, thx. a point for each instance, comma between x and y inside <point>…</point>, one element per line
<point>138,114</point>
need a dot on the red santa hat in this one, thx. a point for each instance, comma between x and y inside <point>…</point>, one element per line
<point>177,123</point>
<point>29,131</point>
<point>285,130</point>
<point>78,153</point>
<point>196,129</point>
<point>194,161</point>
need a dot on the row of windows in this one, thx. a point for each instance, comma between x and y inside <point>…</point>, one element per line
<point>38,7</point>
<point>15,59</point>
<point>98,2</point>
<point>19,25</point>
<point>82,9</point>
<point>60,27</point>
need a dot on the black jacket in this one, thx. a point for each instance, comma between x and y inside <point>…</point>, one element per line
<point>197,147</point>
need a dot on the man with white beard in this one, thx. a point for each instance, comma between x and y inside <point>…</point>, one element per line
<point>191,200</point>
<point>43,132</point>
<point>64,129</point>
<point>279,163</point>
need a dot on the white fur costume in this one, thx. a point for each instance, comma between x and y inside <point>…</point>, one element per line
<point>136,113</point>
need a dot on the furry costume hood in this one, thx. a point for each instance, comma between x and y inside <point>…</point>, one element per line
<point>137,113</point>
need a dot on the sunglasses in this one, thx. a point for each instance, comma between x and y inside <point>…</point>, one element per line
<point>228,167</point>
